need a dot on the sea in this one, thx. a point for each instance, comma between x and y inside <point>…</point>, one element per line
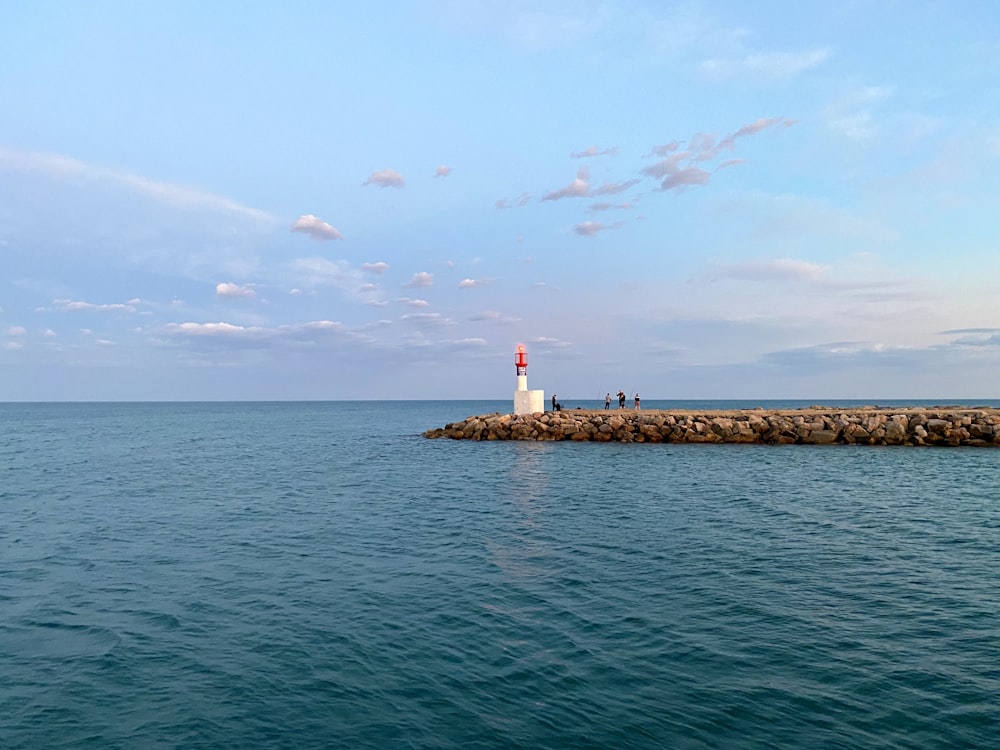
<point>319,575</point>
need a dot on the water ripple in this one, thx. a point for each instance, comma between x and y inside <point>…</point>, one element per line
<point>281,575</point>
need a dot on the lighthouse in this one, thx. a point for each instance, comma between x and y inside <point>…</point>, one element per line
<point>525,401</point>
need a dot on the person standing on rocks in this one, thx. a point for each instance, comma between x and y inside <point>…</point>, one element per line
<point>607,402</point>
<point>554,404</point>
<point>621,399</point>
<point>637,402</point>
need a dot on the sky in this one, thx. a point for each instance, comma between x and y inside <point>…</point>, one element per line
<point>329,200</point>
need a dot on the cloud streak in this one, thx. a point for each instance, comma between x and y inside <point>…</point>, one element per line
<point>57,166</point>
<point>67,305</point>
<point>774,65</point>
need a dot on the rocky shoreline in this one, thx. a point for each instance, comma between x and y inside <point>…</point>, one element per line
<point>944,426</point>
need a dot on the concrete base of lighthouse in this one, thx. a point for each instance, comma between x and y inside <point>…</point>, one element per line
<point>529,402</point>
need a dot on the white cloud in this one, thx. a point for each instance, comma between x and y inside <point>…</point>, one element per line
<point>49,333</point>
<point>442,171</point>
<point>229,289</point>
<point>385,178</point>
<point>316,228</point>
<point>13,345</point>
<point>210,329</point>
<point>17,331</point>
<point>379,267</point>
<point>472,283</point>
<point>420,279</point>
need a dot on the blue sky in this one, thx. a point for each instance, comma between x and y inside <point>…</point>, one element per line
<point>306,200</point>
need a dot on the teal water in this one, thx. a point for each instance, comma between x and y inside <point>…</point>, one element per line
<point>317,575</point>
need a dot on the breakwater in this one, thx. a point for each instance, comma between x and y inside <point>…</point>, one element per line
<point>944,426</point>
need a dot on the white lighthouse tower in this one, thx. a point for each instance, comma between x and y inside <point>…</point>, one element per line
<point>525,401</point>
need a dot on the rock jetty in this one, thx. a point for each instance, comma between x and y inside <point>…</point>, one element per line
<point>817,425</point>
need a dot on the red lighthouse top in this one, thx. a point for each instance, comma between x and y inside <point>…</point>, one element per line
<point>521,360</point>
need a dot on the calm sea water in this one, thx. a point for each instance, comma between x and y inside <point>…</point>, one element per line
<point>317,575</point>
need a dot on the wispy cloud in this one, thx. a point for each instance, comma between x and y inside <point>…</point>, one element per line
<point>315,228</point>
<point>853,114</point>
<point>550,343</point>
<point>385,178</point>
<point>413,302</point>
<point>378,268</point>
<point>678,169</point>
<point>68,305</point>
<point>604,206</point>
<point>427,319</point>
<point>473,342</point>
<point>531,26</point>
<point>590,228</point>
<point>56,166</point>
<point>778,269</point>
<point>486,315</point>
<point>260,336</point>
<point>517,202</point>
<point>580,187</point>
<point>442,171</point>
<point>593,151</point>
<point>771,65</point>
<point>317,272</point>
